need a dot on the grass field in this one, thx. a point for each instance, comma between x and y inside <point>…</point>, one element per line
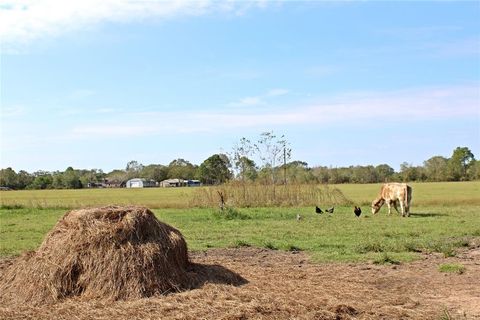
<point>441,194</point>
<point>444,216</point>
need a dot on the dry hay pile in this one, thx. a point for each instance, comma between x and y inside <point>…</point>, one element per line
<point>114,253</point>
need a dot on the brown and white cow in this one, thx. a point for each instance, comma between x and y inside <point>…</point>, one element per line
<point>391,193</point>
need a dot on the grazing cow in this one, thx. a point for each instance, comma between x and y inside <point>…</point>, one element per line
<point>393,193</point>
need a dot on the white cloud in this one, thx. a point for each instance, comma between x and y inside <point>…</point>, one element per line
<point>276,92</point>
<point>81,93</point>
<point>12,111</point>
<point>375,107</point>
<point>22,21</point>
<point>321,71</point>
<point>247,102</point>
<point>113,130</point>
<point>258,100</point>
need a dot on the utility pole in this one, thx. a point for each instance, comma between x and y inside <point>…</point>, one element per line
<point>284,165</point>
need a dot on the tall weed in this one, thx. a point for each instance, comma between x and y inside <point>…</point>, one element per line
<point>260,195</point>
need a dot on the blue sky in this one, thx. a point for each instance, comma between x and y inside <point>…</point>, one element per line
<point>96,84</point>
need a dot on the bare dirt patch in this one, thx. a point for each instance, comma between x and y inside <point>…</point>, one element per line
<point>283,285</point>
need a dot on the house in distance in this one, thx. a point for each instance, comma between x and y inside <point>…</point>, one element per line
<point>140,183</point>
<point>179,183</point>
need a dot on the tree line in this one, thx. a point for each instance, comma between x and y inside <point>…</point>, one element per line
<point>266,161</point>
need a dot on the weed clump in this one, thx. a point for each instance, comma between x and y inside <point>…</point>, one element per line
<point>293,248</point>
<point>452,268</point>
<point>372,246</point>
<point>230,213</point>
<point>242,244</point>
<point>270,245</point>
<point>385,258</point>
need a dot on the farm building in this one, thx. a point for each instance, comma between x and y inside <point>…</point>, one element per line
<point>113,183</point>
<point>140,183</point>
<point>180,183</point>
<point>193,183</point>
<point>172,183</point>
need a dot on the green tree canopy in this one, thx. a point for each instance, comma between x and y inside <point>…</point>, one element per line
<point>436,168</point>
<point>8,178</point>
<point>459,163</point>
<point>181,169</point>
<point>155,172</point>
<point>215,170</point>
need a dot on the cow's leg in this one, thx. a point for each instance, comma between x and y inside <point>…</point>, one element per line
<point>402,206</point>
<point>395,206</point>
<point>389,205</point>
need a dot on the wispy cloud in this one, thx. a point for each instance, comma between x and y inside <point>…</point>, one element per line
<point>420,32</point>
<point>276,92</point>
<point>375,107</point>
<point>113,130</point>
<point>259,100</point>
<point>81,93</point>
<point>22,21</point>
<point>321,71</point>
<point>12,111</point>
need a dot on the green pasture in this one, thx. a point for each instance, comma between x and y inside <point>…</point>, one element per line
<point>424,193</point>
<point>79,198</point>
<point>445,216</point>
<point>440,194</point>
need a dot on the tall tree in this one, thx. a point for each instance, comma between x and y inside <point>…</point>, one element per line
<point>459,163</point>
<point>70,179</point>
<point>133,169</point>
<point>117,176</point>
<point>474,170</point>
<point>8,178</point>
<point>155,172</point>
<point>215,170</point>
<point>24,179</point>
<point>181,169</point>
<point>408,172</point>
<point>271,151</point>
<point>384,172</point>
<point>436,168</point>
<point>240,158</point>
<point>299,172</point>
<point>43,180</point>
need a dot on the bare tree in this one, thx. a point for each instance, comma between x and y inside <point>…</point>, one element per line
<point>241,161</point>
<point>272,150</point>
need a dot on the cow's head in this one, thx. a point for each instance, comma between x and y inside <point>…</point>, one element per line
<point>377,204</point>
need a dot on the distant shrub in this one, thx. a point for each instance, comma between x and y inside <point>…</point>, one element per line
<point>230,214</point>
<point>11,206</point>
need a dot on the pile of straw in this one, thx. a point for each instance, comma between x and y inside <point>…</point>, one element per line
<point>114,253</point>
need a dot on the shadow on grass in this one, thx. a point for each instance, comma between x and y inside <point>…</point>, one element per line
<point>202,274</point>
<point>427,214</point>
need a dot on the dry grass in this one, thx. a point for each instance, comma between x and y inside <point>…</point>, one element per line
<point>260,195</point>
<point>285,285</point>
<point>113,253</point>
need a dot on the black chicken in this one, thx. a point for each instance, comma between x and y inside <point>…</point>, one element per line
<point>318,210</point>
<point>357,211</point>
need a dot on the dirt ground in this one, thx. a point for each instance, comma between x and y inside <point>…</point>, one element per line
<point>248,283</point>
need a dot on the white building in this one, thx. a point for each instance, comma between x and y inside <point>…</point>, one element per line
<point>140,183</point>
